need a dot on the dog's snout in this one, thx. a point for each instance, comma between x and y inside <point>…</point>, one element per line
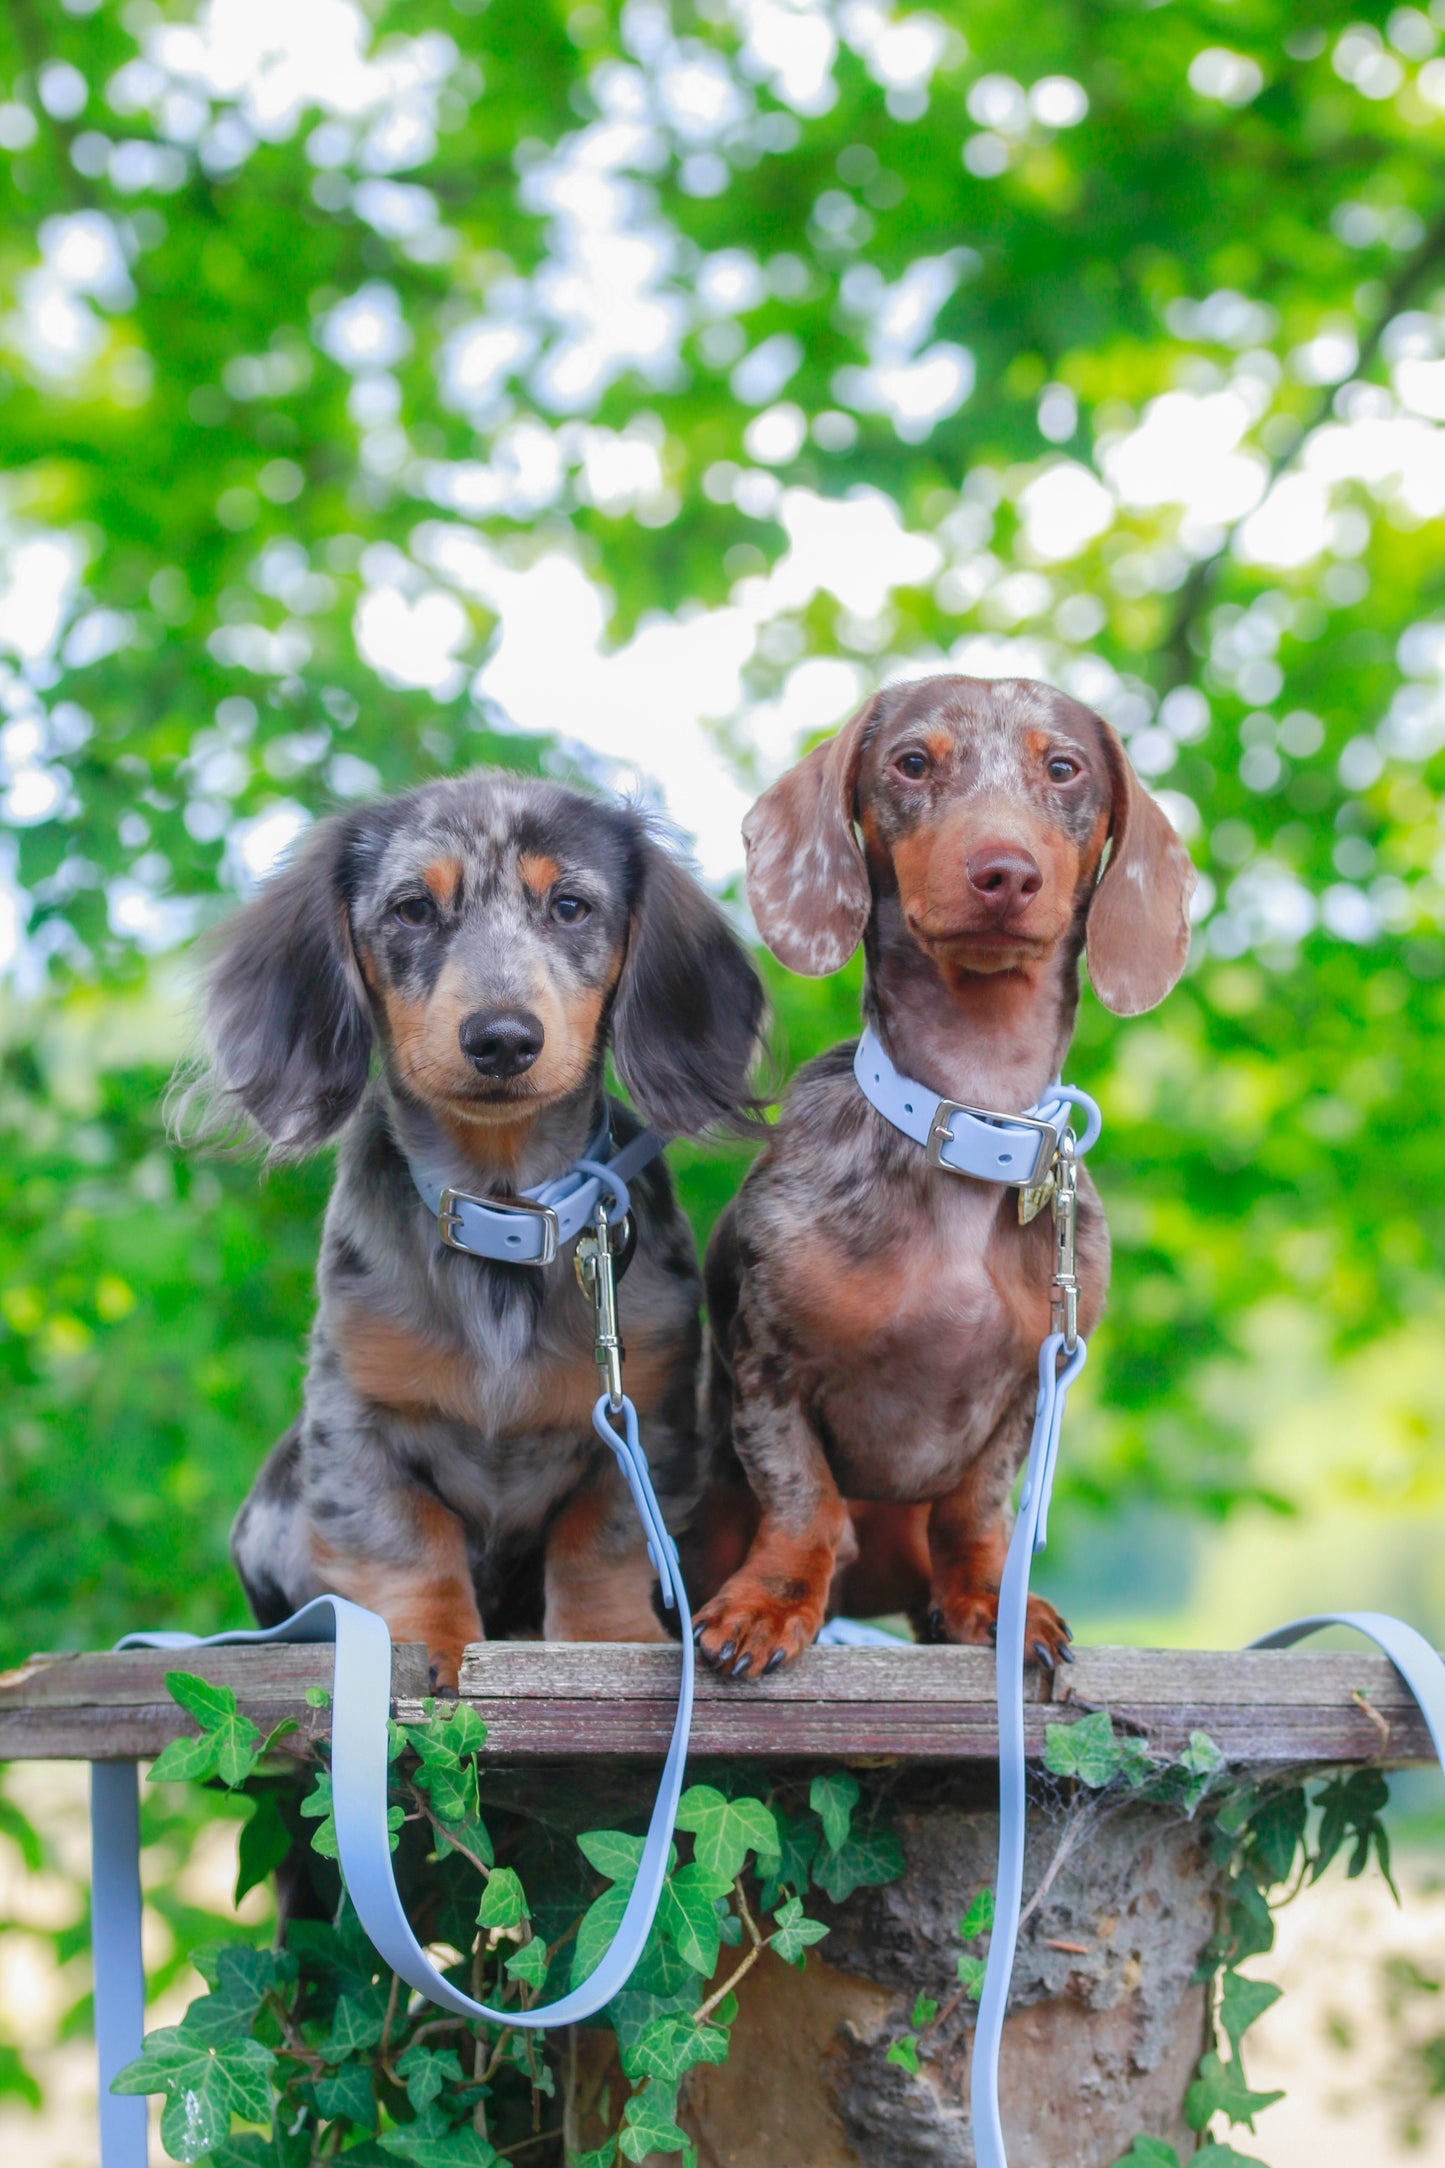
<point>1004,877</point>
<point>501,1043</point>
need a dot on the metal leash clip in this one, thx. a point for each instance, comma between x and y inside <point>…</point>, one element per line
<point>1064,1301</point>
<point>594,1260</point>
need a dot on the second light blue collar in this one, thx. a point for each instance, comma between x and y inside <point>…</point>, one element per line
<point>532,1226</point>
<point>1015,1149</point>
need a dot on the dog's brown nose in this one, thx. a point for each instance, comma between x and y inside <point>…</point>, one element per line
<point>501,1043</point>
<point>1004,876</point>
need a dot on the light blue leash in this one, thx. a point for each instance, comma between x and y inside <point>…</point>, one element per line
<point>1019,1150</point>
<point>360,1709</point>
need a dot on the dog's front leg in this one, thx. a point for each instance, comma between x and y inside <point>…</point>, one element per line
<point>967,1544</point>
<point>773,1606</point>
<point>599,1578</point>
<point>405,1556</point>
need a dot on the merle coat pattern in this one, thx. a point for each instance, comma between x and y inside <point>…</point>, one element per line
<point>875,1321</point>
<point>487,938</point>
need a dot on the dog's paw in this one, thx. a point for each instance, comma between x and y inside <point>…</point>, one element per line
<point>971,1617</point>
<point>750,1628</point>
<point>444,1671</point>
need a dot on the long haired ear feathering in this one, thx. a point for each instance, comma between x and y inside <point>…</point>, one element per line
<point>286,1024</point>
<point>689,1007</point>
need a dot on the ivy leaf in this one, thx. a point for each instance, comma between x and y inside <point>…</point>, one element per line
<point>671,2046</point>
<point>184,1761</point>
<point>504,1902</point>
<point>318,1806</point>
<point>357,2025</point>
<point>211,1706</point>
<point>794,1932</point>
<point>528,1964</point>
<point>1241,2003</point>
<point>726,1830</point>
<point>600,1923</point>
<point>925,2010</point>
<point>434,2143</point>
<point>904,2052</point>
<point>1093,1752</point>
<point>235,1738</point>
<point>1220,2089</point>
<point>832,1799</point>
<point>614,1855</point>
<point>800,1838</point>
<point>265,1842</point>
<point>978,1919</point>
<point>1148,2153</point>
<point>647,2123</point>
<point>688,1917</point>
<point>863,1859</point>
<point>203,2086</point>
<point>425,2071</point>
<point>971,1974</point>
<point>1278,1827</point>
<point>604,2156</point>
<point>347,2094</point>
<point>317,1697</point>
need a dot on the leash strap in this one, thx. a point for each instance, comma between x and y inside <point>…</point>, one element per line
<point>531,1227</point>
<point>1417,1663</point>
<point>361,1705</point>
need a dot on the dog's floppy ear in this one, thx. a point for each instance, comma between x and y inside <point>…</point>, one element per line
<point>287,1022</point>
<point>807,880</point>
<point>689,1004</point>
<point>1138,934</point>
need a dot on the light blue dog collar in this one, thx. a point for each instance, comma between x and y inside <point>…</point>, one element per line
<point>1017,1149</point>
<point>530,1228</point>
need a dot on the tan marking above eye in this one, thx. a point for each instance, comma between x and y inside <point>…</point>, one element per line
<point>1038,743</point>
<point>939,744</point>
<point>444,879</point>
<point>539,873</point>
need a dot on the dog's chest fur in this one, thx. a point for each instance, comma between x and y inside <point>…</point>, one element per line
<point>910,1303</point>
<point>484,1372</point>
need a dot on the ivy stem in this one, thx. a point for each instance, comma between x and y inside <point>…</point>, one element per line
<point>760,1943</point>
<point>455,1842</point>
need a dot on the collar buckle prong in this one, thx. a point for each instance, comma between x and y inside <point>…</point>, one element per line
<point>940,1134</point>
<point>450,1222</point>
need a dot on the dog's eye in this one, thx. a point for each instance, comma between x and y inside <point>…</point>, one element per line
<point>1061,768</point>
<point>913,765</point>
<point>415,910</point>
<point>570,910</point>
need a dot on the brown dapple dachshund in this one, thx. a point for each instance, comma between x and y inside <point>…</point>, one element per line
<point>875,1321</point>
<point>439,977</point>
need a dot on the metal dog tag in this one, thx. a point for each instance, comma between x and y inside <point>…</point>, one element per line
<point>1032,1201</point>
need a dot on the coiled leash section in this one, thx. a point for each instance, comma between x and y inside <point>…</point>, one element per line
<point>361,1707</point>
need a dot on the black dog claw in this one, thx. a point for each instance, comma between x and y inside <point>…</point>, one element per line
<point>936,1628</point>
<point>1066,1652</point>
<point>728,1649</point>
<point>773,1662</point>
<point>740,1668</point>
<point>1046,1662</point>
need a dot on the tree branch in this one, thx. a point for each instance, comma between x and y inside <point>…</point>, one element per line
<point>1176,653</point>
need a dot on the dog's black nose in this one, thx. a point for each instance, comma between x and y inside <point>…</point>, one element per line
<point>1004,876</point>
<point>501,1043</point>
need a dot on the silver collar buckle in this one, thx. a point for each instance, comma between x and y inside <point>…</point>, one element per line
<point>940,1133</point>
<point>449,1220</point>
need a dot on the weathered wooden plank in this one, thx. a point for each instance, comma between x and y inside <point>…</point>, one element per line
<point>546,1703</point>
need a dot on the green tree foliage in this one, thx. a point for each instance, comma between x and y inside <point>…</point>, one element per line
<point>304,370</point>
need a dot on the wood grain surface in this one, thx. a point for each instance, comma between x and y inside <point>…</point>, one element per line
<point>564,1702</point>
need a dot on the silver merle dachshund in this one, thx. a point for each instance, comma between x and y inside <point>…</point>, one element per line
<point>488,938</point>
